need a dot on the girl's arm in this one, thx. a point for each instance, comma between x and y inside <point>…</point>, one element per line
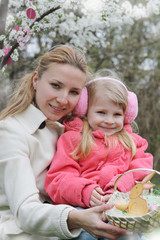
<point>64,181</point>
<point>140,160</point>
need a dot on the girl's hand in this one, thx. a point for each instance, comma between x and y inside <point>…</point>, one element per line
<point>91,220</point>
<point>96,197</point>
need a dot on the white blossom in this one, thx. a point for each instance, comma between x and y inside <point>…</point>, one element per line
<point>85,22</point>
<point>15,55</point>
<point>1,53</point>
<point>2,37</point>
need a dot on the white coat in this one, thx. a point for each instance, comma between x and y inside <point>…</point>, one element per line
<point>25,154</point>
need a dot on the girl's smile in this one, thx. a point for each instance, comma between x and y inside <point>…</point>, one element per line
<point>106,115</point>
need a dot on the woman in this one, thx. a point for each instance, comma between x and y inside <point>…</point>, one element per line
<point>29,129</point>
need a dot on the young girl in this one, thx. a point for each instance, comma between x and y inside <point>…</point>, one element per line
<point>93,152</point>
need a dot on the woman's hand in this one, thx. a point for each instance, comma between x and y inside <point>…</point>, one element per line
<point>91,220</point>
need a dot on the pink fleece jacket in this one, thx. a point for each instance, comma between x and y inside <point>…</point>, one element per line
<point>71,181</point>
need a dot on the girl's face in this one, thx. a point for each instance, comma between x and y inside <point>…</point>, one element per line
<point>104,114</point>
<point>58,90</point>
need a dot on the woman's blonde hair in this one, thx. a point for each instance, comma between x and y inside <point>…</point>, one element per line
<point>117,93</point>
<point>24,95</point>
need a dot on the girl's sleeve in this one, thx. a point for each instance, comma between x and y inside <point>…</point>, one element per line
<point>64,183</point>
<point>26,213</point>
<point>140,160</point>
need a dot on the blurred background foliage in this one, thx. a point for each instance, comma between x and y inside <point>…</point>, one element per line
<point>133,51</point>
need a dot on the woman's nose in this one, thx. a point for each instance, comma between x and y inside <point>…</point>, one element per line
<point>62,98</point>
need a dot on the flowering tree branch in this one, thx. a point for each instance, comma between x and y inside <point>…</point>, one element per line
<point>16,44</point>
<point>84,25</point>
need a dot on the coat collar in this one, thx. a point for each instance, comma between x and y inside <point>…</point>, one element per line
<point>31,118</point>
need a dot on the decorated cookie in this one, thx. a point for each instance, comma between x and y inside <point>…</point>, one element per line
<point>137,205</point>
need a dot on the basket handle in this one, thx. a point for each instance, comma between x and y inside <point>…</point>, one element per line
<point>138,169</point>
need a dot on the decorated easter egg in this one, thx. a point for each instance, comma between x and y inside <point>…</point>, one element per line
<point>121,205</point>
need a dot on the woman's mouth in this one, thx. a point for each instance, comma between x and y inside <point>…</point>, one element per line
<point>57,109</point>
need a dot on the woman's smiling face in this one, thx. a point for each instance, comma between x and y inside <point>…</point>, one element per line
<point>58,90</point>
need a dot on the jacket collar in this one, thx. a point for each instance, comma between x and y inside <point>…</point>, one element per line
<point>31,118</point>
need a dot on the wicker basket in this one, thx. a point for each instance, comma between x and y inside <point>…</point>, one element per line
<point>145,223</point>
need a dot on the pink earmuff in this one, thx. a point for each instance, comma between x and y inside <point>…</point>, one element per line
<point>132,110</point>
<point>80,109</point>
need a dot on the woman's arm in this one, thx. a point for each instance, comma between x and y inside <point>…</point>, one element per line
<point>20,193</point>
<point>91,220</point>
<point>18,187</point>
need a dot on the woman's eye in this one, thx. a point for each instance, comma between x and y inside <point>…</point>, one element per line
<point>55,85</point>
<point>75,93</point>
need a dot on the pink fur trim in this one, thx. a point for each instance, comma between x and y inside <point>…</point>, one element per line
<point>132,108</point>
<point>82,105</point>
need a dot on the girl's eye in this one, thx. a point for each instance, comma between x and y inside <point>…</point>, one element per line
<point>118,114</point>
<point>55,85</point>
<point>101,112</point>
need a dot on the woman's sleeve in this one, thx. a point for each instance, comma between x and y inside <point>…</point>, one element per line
<point>18,189</point>
<point>64,183</point>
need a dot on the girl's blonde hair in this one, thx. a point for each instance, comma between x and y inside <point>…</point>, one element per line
<point>24,95</point>
<point>117,93</point>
